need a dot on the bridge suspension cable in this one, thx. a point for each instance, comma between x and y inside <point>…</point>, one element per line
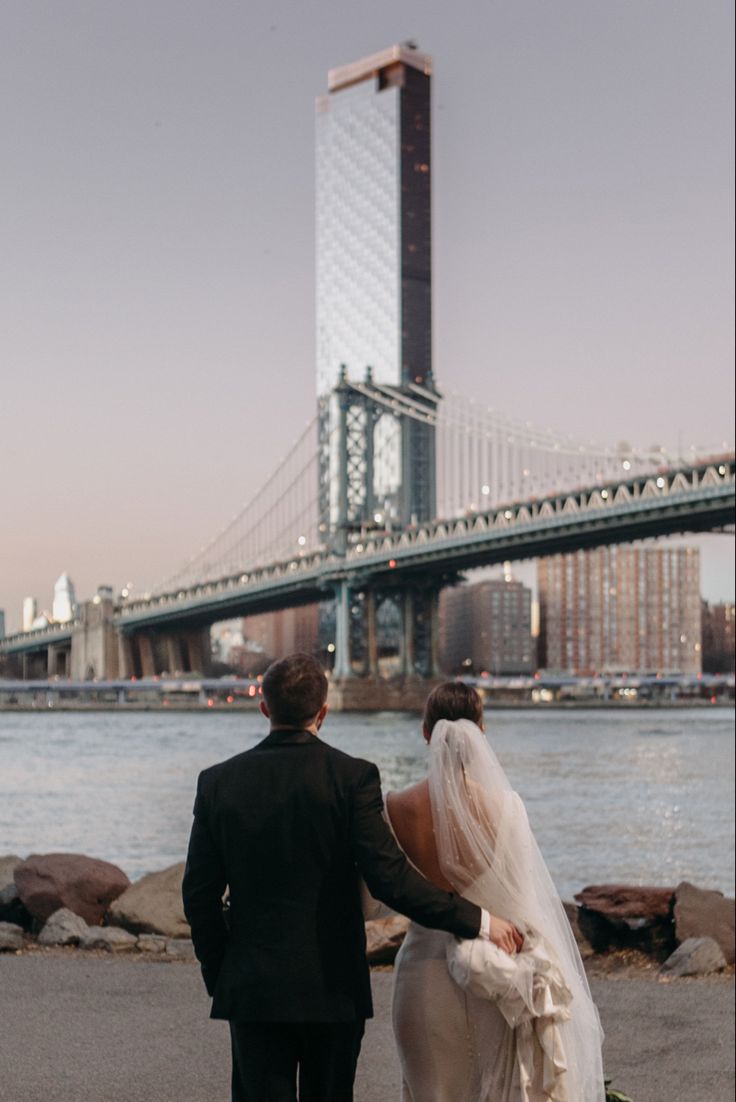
<point>484,459</point>
<point>279,520</point>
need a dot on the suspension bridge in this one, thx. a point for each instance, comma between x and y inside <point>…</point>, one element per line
<point>327,527</point>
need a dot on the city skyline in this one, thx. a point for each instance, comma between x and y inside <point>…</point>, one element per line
<point>159,229</point>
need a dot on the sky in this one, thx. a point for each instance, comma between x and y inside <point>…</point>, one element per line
<point>157,243</point>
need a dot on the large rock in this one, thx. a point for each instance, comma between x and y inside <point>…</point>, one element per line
<point>63,927</point>
<point>152,905</point>
<point>621,916</point>
<point>571,910</point>
<point>384,937</point>
<point>697,956</point>
<point>700,913</point>
<point>11,937</point>
<point>84,885</point>
<point>8,865</point>
<point>110,938</point>
<point>11,908</point>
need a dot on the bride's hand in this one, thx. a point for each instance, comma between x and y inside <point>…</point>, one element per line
<point>505,935</point>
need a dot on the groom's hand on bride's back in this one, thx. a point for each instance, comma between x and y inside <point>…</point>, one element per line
<point>505,935</point>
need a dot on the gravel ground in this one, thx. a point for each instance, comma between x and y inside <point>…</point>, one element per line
<point>93,1029</point>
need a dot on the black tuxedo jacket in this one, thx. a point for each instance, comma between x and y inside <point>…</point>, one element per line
<point>289,826</point>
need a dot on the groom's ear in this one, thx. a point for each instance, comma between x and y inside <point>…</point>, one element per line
<point>264,709</point>
<point>321,715</point>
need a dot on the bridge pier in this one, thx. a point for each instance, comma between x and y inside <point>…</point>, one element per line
<point>126,658</point>
<point>150,654</point>
<point>146,656</point>
<point>174,654</point>
<point>94,646</point>
<point>57,661</point>
<point>371,631</point>
<point>379,694</point>
<point>343,659</point>
<point>196,651</point>
<point>408,649</point>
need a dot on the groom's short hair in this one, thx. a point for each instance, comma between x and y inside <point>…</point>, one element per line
<point>294,689</point>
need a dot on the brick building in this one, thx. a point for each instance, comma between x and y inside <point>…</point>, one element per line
<point>486,626</point>
<point>627,608</point>
<point>718,622</point>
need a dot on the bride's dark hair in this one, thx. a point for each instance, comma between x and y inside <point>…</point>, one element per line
<point>452,700</point>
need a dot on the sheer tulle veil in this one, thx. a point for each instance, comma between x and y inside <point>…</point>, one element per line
<point>488,853</point>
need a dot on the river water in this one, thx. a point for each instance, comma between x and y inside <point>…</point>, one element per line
<point>627,796</point>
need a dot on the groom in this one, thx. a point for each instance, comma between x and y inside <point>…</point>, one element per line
<point>289,827</point>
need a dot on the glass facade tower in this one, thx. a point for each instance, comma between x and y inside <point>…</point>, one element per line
<point>374,267</point>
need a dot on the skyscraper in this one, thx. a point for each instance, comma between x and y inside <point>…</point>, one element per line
<point>65,604</point>
<point>30,612</point>
<point>374,305</point>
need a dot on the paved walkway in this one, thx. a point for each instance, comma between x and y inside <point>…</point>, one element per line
<point>76,1029</point>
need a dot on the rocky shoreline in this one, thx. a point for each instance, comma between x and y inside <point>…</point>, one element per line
<point>74,903</point>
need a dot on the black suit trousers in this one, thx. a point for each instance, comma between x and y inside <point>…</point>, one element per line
<point>270,1058</point>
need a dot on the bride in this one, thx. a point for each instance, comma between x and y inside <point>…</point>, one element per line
<point>473,1023</point>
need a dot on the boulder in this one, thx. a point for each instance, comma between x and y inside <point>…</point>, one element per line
<point>152,905</point>
<point>571,910</point>
<point>8,865</point>
<point>110,938</point>
<point>697,956</point>
<point>63,927</point>
<point>619,916</point>
<point>180,948</point>
<point>11,937</point>
<point>84,885</point>
<point>11,908</point>
<point>700,913</point>
<point>384,937</point>
<point>151,943</point>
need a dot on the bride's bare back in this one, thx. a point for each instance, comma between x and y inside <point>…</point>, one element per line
<point>410,813</point>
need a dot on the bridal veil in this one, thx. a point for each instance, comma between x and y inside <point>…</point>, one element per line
<point>488,853</point>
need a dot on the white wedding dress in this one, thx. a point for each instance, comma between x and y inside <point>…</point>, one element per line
<point>454,1039</point>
